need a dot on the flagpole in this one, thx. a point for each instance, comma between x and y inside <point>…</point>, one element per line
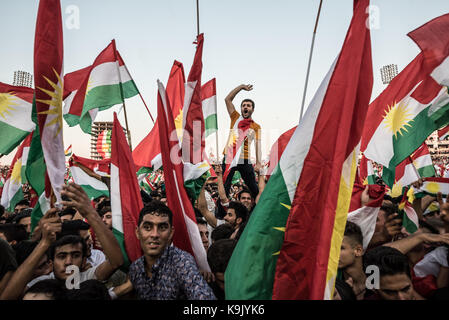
<point>146,107</point>
<point>197,18</point>
<point>127,128</point>
<point>310,60</point>
<point>123,98</point>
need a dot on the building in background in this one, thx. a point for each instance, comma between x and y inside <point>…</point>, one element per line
<point>388,72</point>
<point>23,78</point>
<point>100,141</point>
<point>438,148</point>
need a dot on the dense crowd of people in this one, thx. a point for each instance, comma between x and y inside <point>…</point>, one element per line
<point>73,253</point>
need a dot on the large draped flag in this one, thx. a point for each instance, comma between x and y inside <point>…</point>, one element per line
<point>196,166</point>
<point>416,101</point>
<point>12,191</point>
<point>126,201</point>
<point>87,173</point>
<point>46,160</point>
<point>107,82</point>
<point>187,236</point>
<point>312,182</point>
<point>209,104</point>
<point>15,115</point>
<point>148,152</point>
<point>308,261</point>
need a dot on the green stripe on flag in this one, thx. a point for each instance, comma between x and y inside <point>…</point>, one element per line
<point>210,123</point>
<point>422,126</point>
<point>11,137</point>
<point>251,269</point>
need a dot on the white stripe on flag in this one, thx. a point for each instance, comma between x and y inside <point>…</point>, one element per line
<point>116,200</point>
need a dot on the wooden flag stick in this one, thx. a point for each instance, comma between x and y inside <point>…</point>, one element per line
<point>310,61</point>
<point>127,128</point>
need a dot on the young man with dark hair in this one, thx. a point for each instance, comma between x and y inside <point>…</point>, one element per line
<point>245,198</point>
<point>67,214</point>
<point>236,215</point>
<point>68,250</point>
<point>252,134</point>
<point>106,215</point>
<point>13,233</point>
<point>49,289</point>
<point>395,281</point>
<point>218,256</point>
<point>164,272</point>
<point>351,259</point>
<point>80,228</point>
<point>204,232</point>
<point>223,231</point>
<point>24,218</point>
<point>22,204</point>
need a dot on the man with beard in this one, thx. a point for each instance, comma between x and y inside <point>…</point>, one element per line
<point>244,123</point>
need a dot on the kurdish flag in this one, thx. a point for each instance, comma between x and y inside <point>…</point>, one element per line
<point>308,260</point>
<point>105,83</point>
<point>186,237</point>
<point>46,160</point>
<point>196,167</point>
<point>415,103</point>
<point>104,144</point>
<point>423,162</point>
<point>209,104</point>
<point>126,201</point>
<point>367,171</point>
<point>83,173</point>
<point>15,116</point>
<point>148,152</point>
<point>432,186</point>
<point>409,217</point>
<point>12,191</point>
<point>48,76</point>
<point>313,197</point>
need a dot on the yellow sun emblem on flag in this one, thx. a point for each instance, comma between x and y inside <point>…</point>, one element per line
<point>433,187</point>
<point>396,191</point>
<point>16,172</point>
<point>7,104</point>
<point>55,103</point>
<point>398,118</point>
<point>281,229</point>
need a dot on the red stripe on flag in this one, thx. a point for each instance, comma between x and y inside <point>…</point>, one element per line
<point>209,89</point>
<point>150,146</point>
<point>302,265</point>
<point>23,93</point>
<point>131,200</point>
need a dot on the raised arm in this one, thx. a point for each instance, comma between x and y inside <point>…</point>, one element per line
<point>233,93</point>
<point>202,206</point>
<point>220,183</point>
<point>407,244</point>
<point>17,284</point>
<point>111,248</point>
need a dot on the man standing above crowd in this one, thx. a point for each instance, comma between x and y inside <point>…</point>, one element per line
<point>242,123</point>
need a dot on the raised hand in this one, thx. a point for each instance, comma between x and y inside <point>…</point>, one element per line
<point>247,87</point>
<point>79,199</point>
